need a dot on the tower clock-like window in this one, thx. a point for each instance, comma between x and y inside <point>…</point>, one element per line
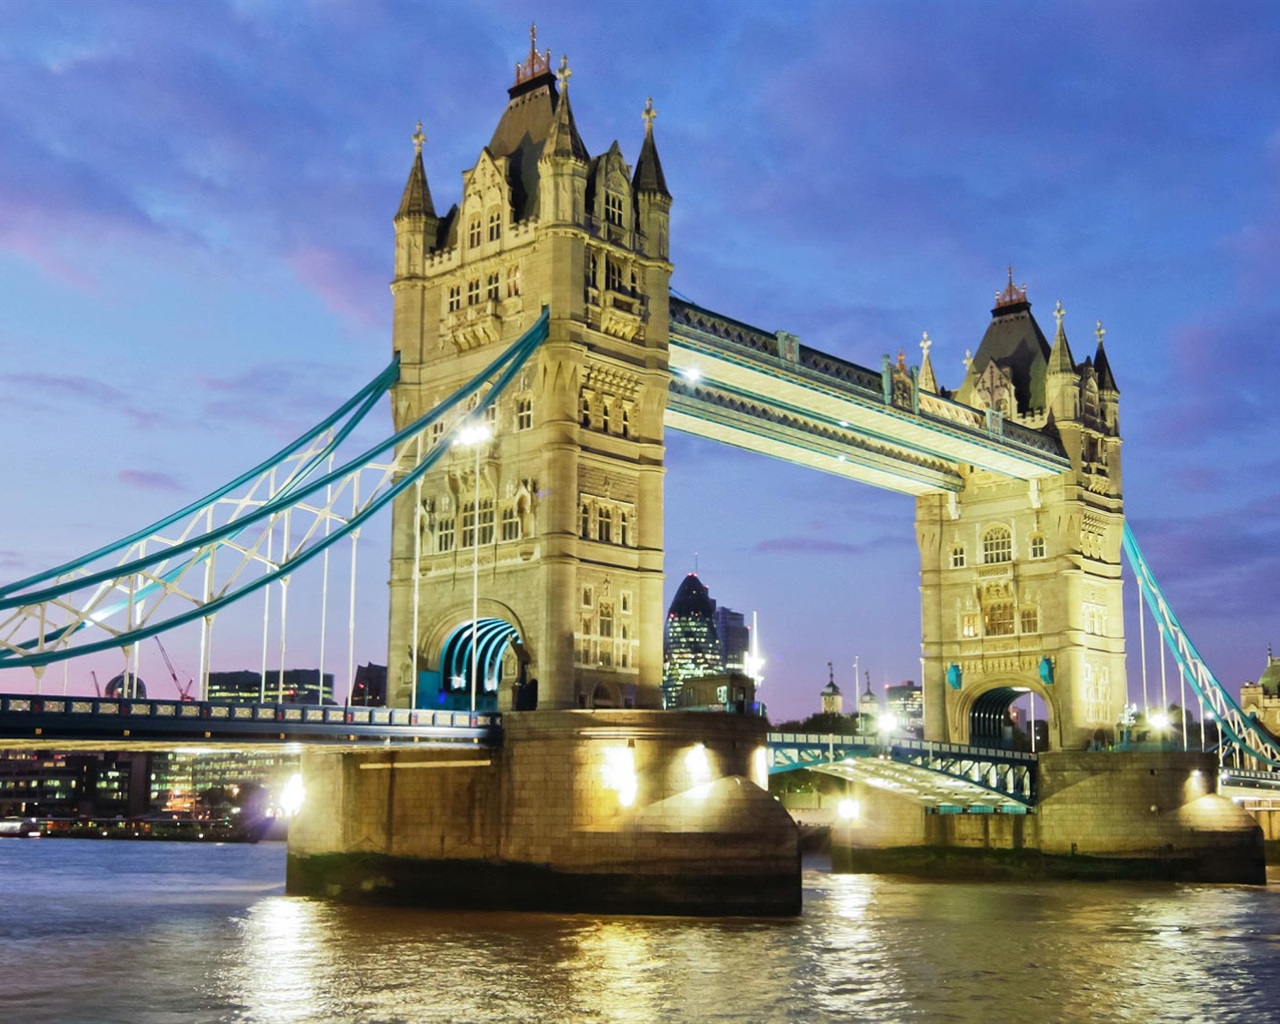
<point>997,545</point>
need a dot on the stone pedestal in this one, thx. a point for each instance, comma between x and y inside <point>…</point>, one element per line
<point>608,811</point>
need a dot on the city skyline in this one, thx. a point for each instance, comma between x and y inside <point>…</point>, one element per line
<point>198,242</point>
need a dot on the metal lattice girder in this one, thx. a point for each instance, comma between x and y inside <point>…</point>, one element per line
<point>1237,729</point>
<point>221,549</point>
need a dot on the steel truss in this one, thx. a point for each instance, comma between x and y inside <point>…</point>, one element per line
<point>1241,739</point>
<point>253,531</point>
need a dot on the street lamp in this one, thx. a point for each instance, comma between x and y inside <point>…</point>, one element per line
<point>473,436</point>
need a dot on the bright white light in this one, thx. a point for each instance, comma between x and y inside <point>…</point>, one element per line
<point>292,795</point>
<point>619,771</point>
<point>698,765</point>
<point>887,722</point>
<point>760,767</point>
<point>844,423</point>
<point>476,433</point>
<point>692,373</point>
<point>847,809</point>
<point>1159,721</point>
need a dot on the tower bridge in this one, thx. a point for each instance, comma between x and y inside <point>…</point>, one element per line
<point>538,359</point>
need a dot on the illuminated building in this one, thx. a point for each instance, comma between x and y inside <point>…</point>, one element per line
<point>299,686</point>
<point>906,703</point>
<point>691,646</point>
<point>735,638</point>
<point>832,700</point>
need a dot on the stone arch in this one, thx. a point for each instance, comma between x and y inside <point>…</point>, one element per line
<point>603,696</point>
<point>504,662</point>
<point>979,716</point>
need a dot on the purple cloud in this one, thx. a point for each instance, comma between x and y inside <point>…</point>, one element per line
<point>149,480</point>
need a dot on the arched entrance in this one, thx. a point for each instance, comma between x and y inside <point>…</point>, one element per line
<point>992,724</point>
<point>500,659</point>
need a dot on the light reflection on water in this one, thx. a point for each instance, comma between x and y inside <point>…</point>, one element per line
<point>154,932</point>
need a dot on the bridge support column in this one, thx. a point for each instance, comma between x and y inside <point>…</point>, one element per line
<point>607,811</point>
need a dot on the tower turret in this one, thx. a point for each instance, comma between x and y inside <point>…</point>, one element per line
<point>649,185</point>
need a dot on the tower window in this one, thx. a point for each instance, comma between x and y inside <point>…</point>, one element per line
<point>998,619</point>
<point>613,208</point>
<point>510,524</point>
<point>997,545</point>
<point>469,524</point>
<point>625,599</point>
<point>513,281</point>
<point>624,522</point>
<point>604,525</point>
<point>585,410</point>
<point>604,417</point>
<point>1037,546</point>
<point>491,415</point>
<point>493,287</point>
<point>969,625</point>
<point>486,520</point>
<point>604,623</point>
<point>612,275</point>
<point>626,422</point>
<point>957,557</point>
<point>473,292</point>
<point>524,413</point>
<point>588,599</point>
<point>444,534</point>
<point>455,298</point>
<point>495,225</point>
<point>473,232</point>
<point>1030,620</point>
<point>586,521</point>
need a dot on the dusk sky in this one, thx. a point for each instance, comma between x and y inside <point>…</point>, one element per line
<point>196,242</point>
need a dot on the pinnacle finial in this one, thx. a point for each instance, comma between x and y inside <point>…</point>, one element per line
<point>1100,331</point>
<point>648,115</point>
<point>418,140</point>
<point>537,64</point>
<point>926,343</point>
<point>967,360</point>
<point>1058,313</point>
<point>1012,294</point>
<point>563,74</point>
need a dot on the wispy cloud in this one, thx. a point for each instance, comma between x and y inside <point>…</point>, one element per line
<point>149,480</point>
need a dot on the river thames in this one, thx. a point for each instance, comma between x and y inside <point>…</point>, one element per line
<point>104,932</point>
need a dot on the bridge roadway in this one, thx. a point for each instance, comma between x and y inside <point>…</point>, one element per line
<point>31,721</point>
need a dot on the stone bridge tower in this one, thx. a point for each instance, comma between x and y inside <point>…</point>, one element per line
<point>1020,583</point>
<point>569,521</point>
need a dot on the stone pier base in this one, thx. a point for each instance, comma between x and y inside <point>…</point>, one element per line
<point>605,811</point>
<point>1135,815</point>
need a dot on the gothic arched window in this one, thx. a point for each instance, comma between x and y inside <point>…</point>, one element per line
<point>997,545</point>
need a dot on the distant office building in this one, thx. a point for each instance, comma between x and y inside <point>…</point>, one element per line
<point>691,645</point>
<point>68,785</point>
<point>299,686</point>
<point>906,703</point>
<point>721,691</point>
<point>832,699</point>
<point>369,689</point>
<point>735,638</point>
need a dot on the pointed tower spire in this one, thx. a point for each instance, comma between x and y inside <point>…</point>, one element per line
<point>416,201</point>
<point>649,176</point>
<point>928,382</point>
<point>563,139</point>
<point>1060,360</point>
<point>1102,365</point>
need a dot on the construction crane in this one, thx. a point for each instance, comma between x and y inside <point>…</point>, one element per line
<point>184,692</point>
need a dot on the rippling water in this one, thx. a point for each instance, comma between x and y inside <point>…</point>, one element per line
<point>100,932</point>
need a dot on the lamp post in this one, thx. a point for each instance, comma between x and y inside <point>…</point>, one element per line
<point>474,436</point>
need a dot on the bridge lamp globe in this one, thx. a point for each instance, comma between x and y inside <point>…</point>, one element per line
<point>1159,721</point>
<point>692,374</point>
<point>887,723</point>
<point>847,809</point>
<point>292,795</point>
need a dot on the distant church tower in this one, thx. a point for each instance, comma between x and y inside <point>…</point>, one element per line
<point>1021,583</point>
<point>832,701</point>
<point>569,522</point>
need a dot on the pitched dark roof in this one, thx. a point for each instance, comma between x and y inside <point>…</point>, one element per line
<point>1102,366</point>
<point>649,176</point>
<point>1015,343</point>
<point>417,196</point>
<point>563,139</point>
<point>1060,359</point>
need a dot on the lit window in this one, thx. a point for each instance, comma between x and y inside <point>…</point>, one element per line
<point>604,525</point>
<point>969,625</point>
<point>510,524</point>
<point>524,413</point>
<point>957,557</point>
<point>997,545</point>
<point>495,225</point>
<point>1037,546</point>
<point>473,232</point>
<point>998,619</point>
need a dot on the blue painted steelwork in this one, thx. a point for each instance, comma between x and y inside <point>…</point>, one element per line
<point>29,719</point>
<point>1241,737</point>
<point>148,577</point>
<point>1006,775</point>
